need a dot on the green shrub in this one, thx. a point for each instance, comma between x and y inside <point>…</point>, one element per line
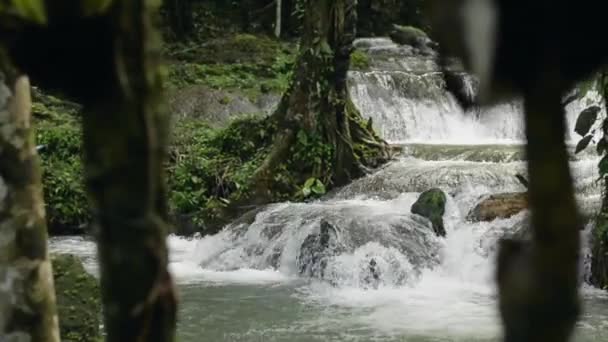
<point>209,166</point>
<point>59,135</point>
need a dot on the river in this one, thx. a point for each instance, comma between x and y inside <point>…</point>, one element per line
<point>243,285</point>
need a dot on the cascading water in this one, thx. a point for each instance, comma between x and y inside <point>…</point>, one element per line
<point>404,95</point>
<point>357,265</point>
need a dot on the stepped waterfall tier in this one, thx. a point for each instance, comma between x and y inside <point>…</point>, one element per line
<point>358,265</point>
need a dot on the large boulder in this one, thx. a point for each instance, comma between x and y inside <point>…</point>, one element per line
<point>316,249</point>
<point>460,83</point>
<point>412,36</point>
<point>431,204</point>
<point>78,300</point>
<point>217,107</point>
<point>499,206</point>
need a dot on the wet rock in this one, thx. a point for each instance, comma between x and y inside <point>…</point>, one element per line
<point>78,300</point>
<point>407,35</point>
<point>412,36</point>
<point>463,86</point>
<point>431,204</point>
<point>499,206</point>
<point>316,249</point>
<point>372,279</point>
<point>185,225</point>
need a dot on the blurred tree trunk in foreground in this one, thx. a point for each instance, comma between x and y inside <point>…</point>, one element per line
<point>106,56</point>
<point>27,296</point>
<point>125,141</point>
<point>538,282</point>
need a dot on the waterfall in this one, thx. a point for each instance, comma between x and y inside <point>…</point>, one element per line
<point>364,234</point>
<point>404,96</point>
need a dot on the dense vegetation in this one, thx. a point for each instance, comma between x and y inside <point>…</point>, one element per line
<point>221,84</point>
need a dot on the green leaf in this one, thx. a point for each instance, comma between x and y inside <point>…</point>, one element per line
<point>586,119</point>
<point>309,183</point>
<point>302,137</point>
<point>33,10</point>
<point>306,192</point>
<point>583,144</point>
<point>318,188</point>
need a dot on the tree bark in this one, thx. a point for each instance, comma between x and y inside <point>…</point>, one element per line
<point>27,296</point>
<point>279,19</point>
<point>125,141</point>
<point>538,284</point>
<point>318,101</point>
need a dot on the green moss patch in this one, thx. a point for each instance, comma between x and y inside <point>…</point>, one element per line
<point>431,204</point>
<point>78,300</point>
<point>359,60</point>
<point>248,63</point>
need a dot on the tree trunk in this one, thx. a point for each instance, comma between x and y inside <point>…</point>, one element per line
<point>538,284</point>
<point>318,102</point>
<point>27,296</point>
<point>125,141</point>
<point>116,76</point>
<point>279,18</point>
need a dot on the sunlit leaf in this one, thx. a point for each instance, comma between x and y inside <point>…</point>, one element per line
<point>318,188</point>
<point>310,182</point>
<point>306,192</point>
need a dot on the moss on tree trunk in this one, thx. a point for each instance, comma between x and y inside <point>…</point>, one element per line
<point>114,44</point>
<point>27,297</point>
<point>317,105</point>
<point>125,142</point>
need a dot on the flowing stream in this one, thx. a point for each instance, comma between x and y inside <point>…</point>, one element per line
<point>246,283</point>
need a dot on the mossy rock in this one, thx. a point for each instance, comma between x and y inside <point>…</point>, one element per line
<point>78,300</point>
<point>359,60</point>
<point>409,35</point>
<point>431,204</point>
